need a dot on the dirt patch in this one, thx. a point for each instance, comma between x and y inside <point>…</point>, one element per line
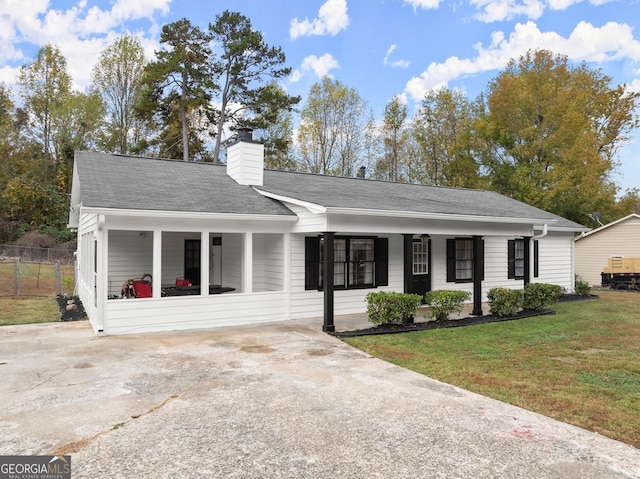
<point>593,351</point>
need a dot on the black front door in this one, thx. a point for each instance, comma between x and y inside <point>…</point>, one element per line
<point>417,265</point>
<point>192,260</point>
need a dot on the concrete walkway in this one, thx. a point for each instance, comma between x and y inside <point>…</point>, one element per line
<point>277,401</point>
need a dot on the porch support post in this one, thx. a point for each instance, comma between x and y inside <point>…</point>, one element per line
<point>477,275</point>
<point>247,266</point>
<point>205,255</point>
<point>408,263</point>
<point>328,325</point>
<point>101,287</point>
<point>527,260</point>
<point>156,287</point>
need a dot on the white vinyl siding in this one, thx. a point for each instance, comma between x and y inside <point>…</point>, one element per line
<point>555,260</point>
<point>268,261</point>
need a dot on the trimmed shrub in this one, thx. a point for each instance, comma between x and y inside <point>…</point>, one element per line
<point>505,302</point>
<point>539,295</point>
<point>444,303</point>
<point>391,308</point>
<point>582,287</point>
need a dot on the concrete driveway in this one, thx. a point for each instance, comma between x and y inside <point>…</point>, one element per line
<point>277,401</point>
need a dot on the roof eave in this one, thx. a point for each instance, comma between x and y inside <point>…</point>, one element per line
<point>440,216</point>
<point>135,213</point>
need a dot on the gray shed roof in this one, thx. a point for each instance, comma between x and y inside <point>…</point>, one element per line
<point>124,182</point>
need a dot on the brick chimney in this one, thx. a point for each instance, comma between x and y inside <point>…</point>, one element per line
<point>245,159</point>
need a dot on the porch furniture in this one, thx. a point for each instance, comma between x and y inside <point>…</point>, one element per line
<point>141,289</point>
<point>194,290</point>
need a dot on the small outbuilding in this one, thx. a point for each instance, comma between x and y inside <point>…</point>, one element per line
<point>618,239</point>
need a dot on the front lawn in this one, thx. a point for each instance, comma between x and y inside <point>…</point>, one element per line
<point>580,366</point>
<point>25,310</point>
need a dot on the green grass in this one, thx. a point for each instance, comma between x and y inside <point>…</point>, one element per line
<point>581,365</point>
<point>25,310</point>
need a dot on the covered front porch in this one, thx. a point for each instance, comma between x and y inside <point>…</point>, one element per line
<point>195,278</point>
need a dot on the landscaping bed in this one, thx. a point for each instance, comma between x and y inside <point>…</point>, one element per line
<point>71,308</point>
<point>453,323</point>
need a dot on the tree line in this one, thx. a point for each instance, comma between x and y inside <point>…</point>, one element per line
<point>545,131</point>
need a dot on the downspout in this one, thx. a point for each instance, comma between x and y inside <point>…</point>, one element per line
<point>541,235</point>
<point>534,238</point>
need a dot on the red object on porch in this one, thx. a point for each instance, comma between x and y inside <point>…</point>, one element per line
<point>141,289</point>
<point>183,282</point>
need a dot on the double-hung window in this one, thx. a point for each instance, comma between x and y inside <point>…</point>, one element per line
<point>460,260</point>
<point>358,262</point>
<point>516,259</point>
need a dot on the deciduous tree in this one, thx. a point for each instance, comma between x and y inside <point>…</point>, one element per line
<point>45,85</point>
<point>331,128</point>
<point>552,130</point>
<point>394,139</point>
<point>117,76</point>
<point>443,130</point>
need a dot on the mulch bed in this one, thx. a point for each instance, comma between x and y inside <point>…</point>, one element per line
<point>453,323</point>
<point>71,308</point>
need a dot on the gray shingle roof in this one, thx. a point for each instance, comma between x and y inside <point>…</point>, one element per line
<point>360,193</point>
<point>123,182</point>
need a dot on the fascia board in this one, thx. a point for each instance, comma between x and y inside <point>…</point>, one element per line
<point>186,215</point>
<point>440,216</point>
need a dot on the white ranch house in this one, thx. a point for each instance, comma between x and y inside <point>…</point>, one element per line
<point>260,238</point>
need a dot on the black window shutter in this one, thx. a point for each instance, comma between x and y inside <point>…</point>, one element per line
<point>511,262</point>
<point>381,257</point>
<point>451,260</point>
<point>311,262</point>
<point>535,259</point>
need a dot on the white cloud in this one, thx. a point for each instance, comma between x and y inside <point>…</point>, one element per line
<point>634,86</point>
<point>332,17</point>
<point>499,10</point>
<point>613,41</point>
<point>395,63</point>
<point>425,4</point>
<point>320,66</point>
<point>78,31</point>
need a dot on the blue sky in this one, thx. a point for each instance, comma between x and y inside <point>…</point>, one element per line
<point>381,48</point>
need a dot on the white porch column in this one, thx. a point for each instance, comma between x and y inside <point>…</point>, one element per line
<point>101,243</point>
<point>205,244</point>
<point>247,264</point>
<point>157,264</point>
<point>286,245</point>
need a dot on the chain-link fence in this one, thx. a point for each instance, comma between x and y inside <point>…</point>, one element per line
<point>35,271</point>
